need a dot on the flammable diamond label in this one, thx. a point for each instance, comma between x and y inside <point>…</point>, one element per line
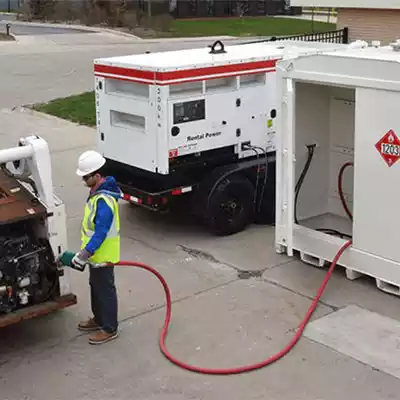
<point>389,148</point>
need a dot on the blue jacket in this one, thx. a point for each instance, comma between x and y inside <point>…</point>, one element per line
<point>104,214</point>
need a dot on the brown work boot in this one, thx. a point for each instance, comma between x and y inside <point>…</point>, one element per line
<point>88,326</point>
<point>102,337</point>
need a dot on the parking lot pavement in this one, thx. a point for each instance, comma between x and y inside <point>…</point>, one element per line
<point>219,319</point>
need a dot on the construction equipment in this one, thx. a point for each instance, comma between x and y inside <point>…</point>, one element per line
<point>32,235</point>
<point>197,125</point>
<point>339,113</point>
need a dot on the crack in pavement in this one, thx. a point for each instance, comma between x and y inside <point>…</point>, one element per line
<point>331,306</point>
<point>242,273</point>
<point>203,255</point>
<point>148,245</point>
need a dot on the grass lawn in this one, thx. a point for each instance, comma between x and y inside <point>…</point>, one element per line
<point>251,26</point>
<point>80,108</point>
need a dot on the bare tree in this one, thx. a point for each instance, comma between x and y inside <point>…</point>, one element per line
<point>242,8</point>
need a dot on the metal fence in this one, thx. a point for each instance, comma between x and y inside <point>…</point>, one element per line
<point>10,5</point>
<point>338,36</point>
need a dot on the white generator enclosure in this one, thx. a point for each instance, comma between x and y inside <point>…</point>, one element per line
<point>153,108</point>
<point>344,105</point>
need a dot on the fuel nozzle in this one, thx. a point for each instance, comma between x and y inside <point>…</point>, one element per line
<point>66,260</point>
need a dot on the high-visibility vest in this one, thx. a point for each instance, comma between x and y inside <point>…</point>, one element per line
<point>109,250</point>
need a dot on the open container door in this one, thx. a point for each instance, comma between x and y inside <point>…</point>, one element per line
<point>317,134</point>
<point>285,158</point>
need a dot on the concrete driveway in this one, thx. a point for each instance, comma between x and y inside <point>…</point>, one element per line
<point>219,318</point>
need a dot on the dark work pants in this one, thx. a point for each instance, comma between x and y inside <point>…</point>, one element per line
<point>103,295</point>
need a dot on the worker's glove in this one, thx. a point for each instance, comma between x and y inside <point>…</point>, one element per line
<point>80,260</point>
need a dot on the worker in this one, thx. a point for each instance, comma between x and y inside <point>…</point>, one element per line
<point>100,244</point>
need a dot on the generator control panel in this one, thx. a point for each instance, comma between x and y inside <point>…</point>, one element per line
<point>188,111</point>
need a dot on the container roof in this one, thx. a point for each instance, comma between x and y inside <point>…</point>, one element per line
<point>201,57</point>
<point>385,53</point>
<point>372,67</point>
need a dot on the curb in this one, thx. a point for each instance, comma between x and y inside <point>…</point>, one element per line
<point>27,109</point>
<point>73,27</point>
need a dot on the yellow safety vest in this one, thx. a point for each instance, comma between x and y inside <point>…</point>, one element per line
<point>109,251</point>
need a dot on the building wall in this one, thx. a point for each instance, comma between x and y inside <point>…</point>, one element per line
<point>370,24</point>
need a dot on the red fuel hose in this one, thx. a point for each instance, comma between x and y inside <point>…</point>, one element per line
<point>242,369</point>
<point>340,188</point>
<point>271,359</point>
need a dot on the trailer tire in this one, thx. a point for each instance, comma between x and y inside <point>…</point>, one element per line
<point>231,206</point>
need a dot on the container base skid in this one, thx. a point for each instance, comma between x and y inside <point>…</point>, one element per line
<point>38,310</point>
<point>318,249</point>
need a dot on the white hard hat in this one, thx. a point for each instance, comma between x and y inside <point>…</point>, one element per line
<point>89,161</point>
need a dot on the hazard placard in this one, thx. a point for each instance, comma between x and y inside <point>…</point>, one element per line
<point>389,148</point>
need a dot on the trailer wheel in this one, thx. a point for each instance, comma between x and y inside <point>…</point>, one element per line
<point>231,207</point>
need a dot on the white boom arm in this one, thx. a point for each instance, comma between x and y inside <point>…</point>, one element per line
<point>34,156</point>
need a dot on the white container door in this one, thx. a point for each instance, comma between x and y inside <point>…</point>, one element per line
<point>285,166</point>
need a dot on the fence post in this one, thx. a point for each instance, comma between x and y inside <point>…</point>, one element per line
<point>346,35</point>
